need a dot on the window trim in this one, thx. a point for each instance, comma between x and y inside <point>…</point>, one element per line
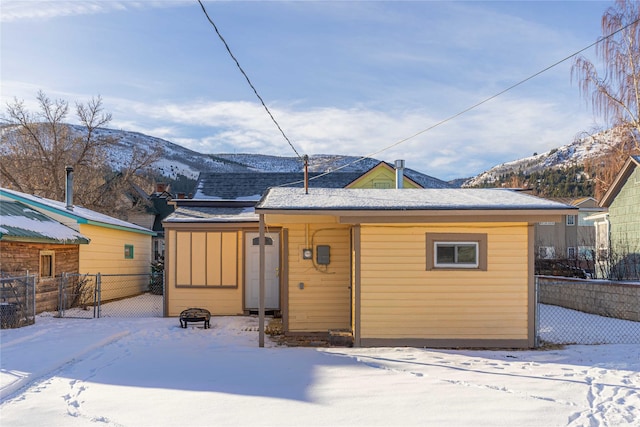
<point>130,251</point>
<point>52,255</point>
<point>572,222</point>
<point>479,239</point>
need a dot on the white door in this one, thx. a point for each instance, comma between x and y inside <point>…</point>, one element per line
<point>252,271</point>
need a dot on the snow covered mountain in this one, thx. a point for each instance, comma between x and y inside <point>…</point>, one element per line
<point>575,153</point>
<point>176,160</point>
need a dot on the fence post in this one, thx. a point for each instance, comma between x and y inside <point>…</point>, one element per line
<point>99,291</point>
<point>33,286</point>
<point>61,287</point>
<point>536,320</point>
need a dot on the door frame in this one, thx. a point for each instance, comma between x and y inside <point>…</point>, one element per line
<point>248,260</point>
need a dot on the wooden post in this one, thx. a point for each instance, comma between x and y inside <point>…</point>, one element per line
<point>262,284</point>
<point>306,174</point>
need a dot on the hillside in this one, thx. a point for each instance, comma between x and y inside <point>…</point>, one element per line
<point>572,155</point>
<point>558,172</point>
<point>181,166</point>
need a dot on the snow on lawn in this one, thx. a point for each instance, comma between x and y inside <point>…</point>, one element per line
<point>150,372</point>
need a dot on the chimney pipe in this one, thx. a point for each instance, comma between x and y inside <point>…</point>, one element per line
<point>399,173</point>
<point>69,188</point>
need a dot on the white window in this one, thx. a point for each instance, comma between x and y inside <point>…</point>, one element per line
<point>456,251</point>
<point>571,220</point>
<point>546,252</point>
<point>456,254</point>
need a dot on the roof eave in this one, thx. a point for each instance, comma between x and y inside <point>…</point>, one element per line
<point>430,215</point>
<point>621,178</point>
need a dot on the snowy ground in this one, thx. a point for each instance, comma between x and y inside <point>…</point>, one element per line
<point>150,372</point>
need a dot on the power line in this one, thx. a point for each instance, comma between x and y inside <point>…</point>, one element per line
<point>474,106</point>
<point>247,77</point>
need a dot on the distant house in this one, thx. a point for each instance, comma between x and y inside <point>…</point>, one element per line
<point>33,243</point>
<point>152,210</point>
<point>211,240</point>
<point>419,267</point>
<point>573,238</point>
<point>618,230</point>
<point>115,246</point>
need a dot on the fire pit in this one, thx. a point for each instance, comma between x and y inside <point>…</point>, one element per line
<point>195,315</point>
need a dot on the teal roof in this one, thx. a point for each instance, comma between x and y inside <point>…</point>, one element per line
<point>77,213</point>
<point>20,223</point>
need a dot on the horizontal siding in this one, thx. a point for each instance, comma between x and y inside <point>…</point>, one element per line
<point>399,298</point>
<point>324,303</point>
<point>105,255</point>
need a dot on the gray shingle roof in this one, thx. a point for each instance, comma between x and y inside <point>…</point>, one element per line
<point>251,185</point>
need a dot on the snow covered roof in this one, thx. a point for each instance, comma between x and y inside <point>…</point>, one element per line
<point>79,214</point>
<point>212,214</point>
<point>18,222</point>
<point>431,199</point>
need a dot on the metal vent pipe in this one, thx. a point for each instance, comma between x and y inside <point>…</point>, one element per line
<point>399,164</point>
<point>69,188</point>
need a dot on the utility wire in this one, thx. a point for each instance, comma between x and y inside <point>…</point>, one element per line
<point>247,77</point>
<point>474,106</point>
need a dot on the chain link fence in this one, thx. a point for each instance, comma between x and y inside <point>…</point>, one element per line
<point>17,301</point>
<point>574,311</point>
<point>110,295</point>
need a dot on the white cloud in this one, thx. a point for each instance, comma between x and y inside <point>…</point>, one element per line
<point>506,129</point>
<point>42,10</point>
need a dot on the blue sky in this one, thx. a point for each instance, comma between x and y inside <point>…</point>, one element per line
<point>339,77</point>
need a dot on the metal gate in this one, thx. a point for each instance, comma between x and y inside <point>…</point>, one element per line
<point>111,295</point>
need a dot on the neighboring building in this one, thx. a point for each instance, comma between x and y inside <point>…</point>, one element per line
<point>573,238</point>
<point>152,210</point>
<point>618,230</point>
<point>115,246</point>
<point>33,243</point>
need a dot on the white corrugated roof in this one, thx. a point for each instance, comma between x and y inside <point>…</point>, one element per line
<point>78,213</point>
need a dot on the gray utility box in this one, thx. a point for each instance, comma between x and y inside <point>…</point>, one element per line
<point>323,255</point>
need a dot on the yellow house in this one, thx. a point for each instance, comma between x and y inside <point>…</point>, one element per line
<point>418,267</point>
<point>211,241</point>
<point>115,246</point>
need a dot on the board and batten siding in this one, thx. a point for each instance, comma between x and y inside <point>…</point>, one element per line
<point>400,300</point>
<point>105,254</point>
<point>204,269</point>
<point>319,296</point>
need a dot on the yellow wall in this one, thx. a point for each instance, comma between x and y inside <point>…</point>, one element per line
<point>382,176</point>
<point>324,301</point>
<point>400,299</point>
<point>204,269</point>
<point>105,254</point>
